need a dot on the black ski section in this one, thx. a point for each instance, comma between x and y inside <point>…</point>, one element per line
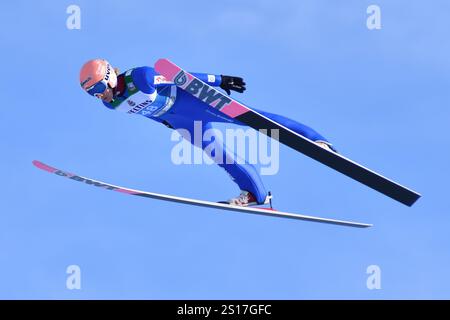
<point>337,162</point>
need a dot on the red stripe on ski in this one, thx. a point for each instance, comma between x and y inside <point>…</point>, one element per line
<point>171,72</point>
<point>44,167</point>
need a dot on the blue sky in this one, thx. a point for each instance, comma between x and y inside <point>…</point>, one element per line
<point>381,96</point>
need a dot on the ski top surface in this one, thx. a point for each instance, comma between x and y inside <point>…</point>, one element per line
<point>240,112</point>
<point>195,202</point>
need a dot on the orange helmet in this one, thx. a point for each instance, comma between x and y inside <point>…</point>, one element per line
<point>96,76</point>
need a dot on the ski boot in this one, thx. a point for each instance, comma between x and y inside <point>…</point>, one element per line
<point>326,145</point>
<point>247,199</point>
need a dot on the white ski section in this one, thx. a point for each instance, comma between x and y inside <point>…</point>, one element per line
<point>195,202</point>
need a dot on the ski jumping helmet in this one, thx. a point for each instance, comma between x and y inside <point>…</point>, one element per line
<point>96,76</point>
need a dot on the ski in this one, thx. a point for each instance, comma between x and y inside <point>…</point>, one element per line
<point>240,112</point>
<point>195,202</point>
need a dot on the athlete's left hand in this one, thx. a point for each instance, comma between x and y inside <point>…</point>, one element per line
<point>232,83</point>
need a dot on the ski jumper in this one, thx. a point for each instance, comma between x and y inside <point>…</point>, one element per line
<point>145,92</point>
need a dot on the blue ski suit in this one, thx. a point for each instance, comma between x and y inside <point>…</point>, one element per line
<point>145,92</point>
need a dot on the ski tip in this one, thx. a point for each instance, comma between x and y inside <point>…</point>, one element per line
<point>161,62</point>
<point>40,165</point>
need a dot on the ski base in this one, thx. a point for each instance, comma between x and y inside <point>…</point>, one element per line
<point>201,203</point>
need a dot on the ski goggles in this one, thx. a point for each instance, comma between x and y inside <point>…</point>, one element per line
<point>98,88</point>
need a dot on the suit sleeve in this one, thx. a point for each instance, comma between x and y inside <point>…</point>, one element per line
<point>211,79</point>
<point>144,79</point>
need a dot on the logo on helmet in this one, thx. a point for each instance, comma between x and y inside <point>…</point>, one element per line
<point>108,72</point>
<point>85,81</point>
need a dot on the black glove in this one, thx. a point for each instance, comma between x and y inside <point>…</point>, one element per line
<point>232,83</point>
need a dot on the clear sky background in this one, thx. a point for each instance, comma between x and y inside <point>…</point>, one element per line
<point>381,96</point>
